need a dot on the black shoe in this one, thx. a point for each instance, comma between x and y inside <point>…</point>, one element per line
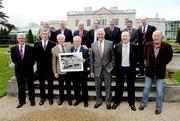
<point>50,102</point>
<point>141,107</point>
<point>97,105</point>
<point>70,102</point>
<point>76,103</point>
<point>32,103</point>
<point>19,105</point>
<point>60,102</point>
<point>41,102</point>
<point>108,106</point>
<point>133,107</point>
<point>85,104</point>
<point>157,111</point>
<point>114,106</point>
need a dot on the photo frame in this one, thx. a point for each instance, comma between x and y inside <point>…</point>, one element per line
<point>71,62</point>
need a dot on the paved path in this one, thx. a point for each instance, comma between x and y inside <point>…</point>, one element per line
<point>8,112</point>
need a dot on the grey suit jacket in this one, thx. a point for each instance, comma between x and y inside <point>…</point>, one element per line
<point>107,61</point>
<point>55,59</point>
<point>134,35</point>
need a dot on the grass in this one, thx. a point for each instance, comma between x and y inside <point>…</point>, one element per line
<point>177,76</point>
<point>5,71</point>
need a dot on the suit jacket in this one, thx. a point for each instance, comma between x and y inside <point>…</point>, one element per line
<point>23,68</point>
<point>84,37</point>
<point>90,38</point>
<point>157,66</point>
<point>118,56</point>
<point>149,32</point>
<point>114,36</point>
<point>134,35</point>
<point>107,61</point>
<point>85,55</point>
<point>67,34</point>
<point>55,58</point>
<point>44,58</point>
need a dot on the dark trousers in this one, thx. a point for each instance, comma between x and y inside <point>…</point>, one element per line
<point>128,74</point>
<point>141,58</point>
<point>80,86</point>
<point>64,81</point>
<point>42,80</point>
<point>22,81</point>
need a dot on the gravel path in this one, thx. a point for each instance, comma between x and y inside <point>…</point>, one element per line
<point>8,112</point>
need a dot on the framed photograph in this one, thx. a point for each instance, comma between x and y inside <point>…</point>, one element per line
<point>71,62</point>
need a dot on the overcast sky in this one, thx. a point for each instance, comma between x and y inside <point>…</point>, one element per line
<point>22,12</point>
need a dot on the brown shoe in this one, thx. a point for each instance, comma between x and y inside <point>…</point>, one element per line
<point>157,111</point>
<point>141,107</point>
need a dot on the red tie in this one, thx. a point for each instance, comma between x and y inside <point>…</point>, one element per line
<point>81,33</point>
<point>21,52</point>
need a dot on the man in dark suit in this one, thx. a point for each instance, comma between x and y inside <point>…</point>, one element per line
<point>125,66</point>
<point>132,31</point>
<point>63,30</point>
<point>157,55</point>
<point>44,65</point>
<point>92,34</point>
<point>113,33</point>
<point>82,33</point>
<point>23,58</point>
<point>80,78</point>
<point>145,35</point>
<point>101,66</point>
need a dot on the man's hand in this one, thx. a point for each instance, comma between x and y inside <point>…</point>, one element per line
<point>56,75</point>
<point>92,75</point>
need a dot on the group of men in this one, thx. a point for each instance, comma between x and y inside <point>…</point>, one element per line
<point>106,51</point>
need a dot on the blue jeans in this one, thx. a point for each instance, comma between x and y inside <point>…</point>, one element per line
<point>159,91</point>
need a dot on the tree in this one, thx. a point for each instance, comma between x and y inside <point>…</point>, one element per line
<point>29,37</point>
<point>3,20</point>
<point>178,36</point>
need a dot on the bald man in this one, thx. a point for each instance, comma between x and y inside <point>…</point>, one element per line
<point>157,55</point>
<point>125,68</point>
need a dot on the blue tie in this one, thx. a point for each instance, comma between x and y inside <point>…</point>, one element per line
<point>75,50</point>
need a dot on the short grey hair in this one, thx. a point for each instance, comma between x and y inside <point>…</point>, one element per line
<point>45,30</point>
<point>22,35</point>
<point>76,37</point>
<point>101,30</point>
<point>61,35</point>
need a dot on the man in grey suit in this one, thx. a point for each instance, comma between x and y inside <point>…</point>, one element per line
<point>102,62</point>
<point>132,32</point>
<point>61,47</point>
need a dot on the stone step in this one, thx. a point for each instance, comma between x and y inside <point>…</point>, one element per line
<point>92,94</point>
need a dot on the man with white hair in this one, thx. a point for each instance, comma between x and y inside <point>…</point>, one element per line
<point>101,66</point>
<point>22,56</point>
<point>157,55</point>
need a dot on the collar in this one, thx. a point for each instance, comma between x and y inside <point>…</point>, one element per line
<point>126,45</point>
<point>22,45</point>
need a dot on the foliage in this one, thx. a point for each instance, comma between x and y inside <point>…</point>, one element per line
<point>175,46</point>
<point>29,37</point>
<point>5,72</point>
<point>4,21</point>
<point>178,36</point>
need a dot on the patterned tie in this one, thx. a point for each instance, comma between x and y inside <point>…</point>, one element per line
<point>75,50</point>
<point>63,50</point>
<point>21,52</point>
<point>81,33</point>
<point>44,45</point>
<point>124,54</point>
<point>144,34</point>
<point>130,32</point>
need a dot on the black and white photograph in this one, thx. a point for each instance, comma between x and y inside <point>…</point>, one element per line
<point>70,62</point>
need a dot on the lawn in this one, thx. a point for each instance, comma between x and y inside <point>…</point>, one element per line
<point>5,72</point>
<point>177,76</point>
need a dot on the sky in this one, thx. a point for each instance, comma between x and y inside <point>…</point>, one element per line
<point>22,12</point>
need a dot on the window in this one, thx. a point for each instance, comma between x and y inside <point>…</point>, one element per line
<point>88,22</point>
<point>116,21</point>
<point>76,22</point>
<point>126,19</point>
<point>103,23</point>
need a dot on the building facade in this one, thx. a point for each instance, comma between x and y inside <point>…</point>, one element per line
<point>171,29</point>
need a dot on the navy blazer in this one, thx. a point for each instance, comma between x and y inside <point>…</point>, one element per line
<point>67,34</point>
<point>84,37</point>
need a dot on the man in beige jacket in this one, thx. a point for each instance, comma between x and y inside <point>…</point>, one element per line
<point>61,47</point>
